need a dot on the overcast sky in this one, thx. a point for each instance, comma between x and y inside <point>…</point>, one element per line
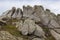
<point>53,5</point>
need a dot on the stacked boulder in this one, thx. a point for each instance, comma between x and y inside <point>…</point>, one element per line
<point>30,28</point>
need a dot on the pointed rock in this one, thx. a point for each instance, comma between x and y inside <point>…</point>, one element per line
<point>14,13</point>
<point>19,13</point>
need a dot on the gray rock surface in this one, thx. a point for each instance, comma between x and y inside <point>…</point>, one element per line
<point>27,27</point>
<point>56,35</point>
<point>27,11</point>
<point>13,13</point>
<point>58,17</point>
<point>39,32</point>
<point>19,13</point>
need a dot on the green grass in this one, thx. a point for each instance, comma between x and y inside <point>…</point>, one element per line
<point>13,30</point>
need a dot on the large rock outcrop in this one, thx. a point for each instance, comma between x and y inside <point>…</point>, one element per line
<point>31,23</point>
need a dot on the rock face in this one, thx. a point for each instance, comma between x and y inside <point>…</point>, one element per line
<point>39,32</point>
<point>29,27</point>
<point>13,13</point>
<point>58,16</point>
<point>56,35</point>
<point>31,23</point>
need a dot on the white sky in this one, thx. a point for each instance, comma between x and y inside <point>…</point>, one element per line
<point>53,5</point>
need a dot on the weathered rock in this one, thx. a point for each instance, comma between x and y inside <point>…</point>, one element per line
<point>19,13</point>
<point>4,15</point>
<point>27,27</point>
<point>58,17</point>
<point>31,25</point>
<point>4,35</point>
<point>19,24</point>
<point>53,24</point>
<point>21,28</point>
<point>54,34</point>
<point>33,22</point>
<point>39,32</point>
<point>13,13</point>
<point>27,11</point>
<point>20,38</point>
<point>37,39</point>
<point>39,12</point>
<point>49,19</point>
<point>9,14</point>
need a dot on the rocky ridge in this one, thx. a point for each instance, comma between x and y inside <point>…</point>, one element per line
<point>31,23</point>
